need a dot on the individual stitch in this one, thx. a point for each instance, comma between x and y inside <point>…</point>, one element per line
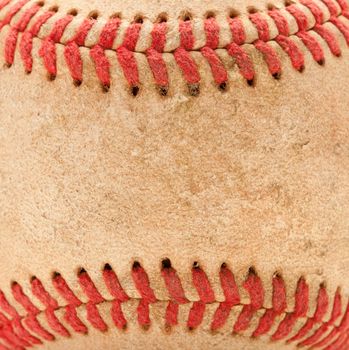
<point>97,53</point>
<point>155,58</point>
<point>176,292</point>
<point>220,74</point>
<point>72,53</point>
<point>206,296</point>
<point>279,307</point>
<point>301,308</point>
<point>115,289</point>
<point>336,312</point>
<point>26,43</point>
<point>48,50</point>
<point>183,58</point>
<point>254,287</point>
<point>232,298</point>
<point>126,56</point>
<point>12,36</point>
<point>142,284</point>
<point>94,296</point>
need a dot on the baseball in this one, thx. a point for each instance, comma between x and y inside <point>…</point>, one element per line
<point>174,174</point>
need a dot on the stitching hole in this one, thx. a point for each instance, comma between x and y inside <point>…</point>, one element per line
<point>116,15</point>
<point>250,82</point>
<point>107,267</point>
<point>251,10</point>
<point>210,15</point>
<point>136,265</point>
<point>166,263</point>
<point>135,90</point>
<point>93,15</point>
<point>54,8</point>
<point>139,19</point>
<point>223,86</point>
<point>41,3</point>
<point>233,13</point>
<point>186,17</point>
<point>73,12</point>
<point>162,18</point>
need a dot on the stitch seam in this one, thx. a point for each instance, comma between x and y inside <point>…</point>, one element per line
<point>125,52</point>
<point>315,332</point>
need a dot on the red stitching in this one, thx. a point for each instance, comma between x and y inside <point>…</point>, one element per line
<point>125,55</point>
<point>261,25</point>
<point>155,59</point>
<point>97,53</point>
<point>126,52</point>
<point>48,49</point>
<point>72,53</point>
<point>314,332</point>
<point>253,285</point>
<point>184,59</point>
<point>206,296</point>
<point>20,26</point>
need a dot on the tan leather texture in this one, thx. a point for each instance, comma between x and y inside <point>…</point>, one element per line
<point>252,177</point>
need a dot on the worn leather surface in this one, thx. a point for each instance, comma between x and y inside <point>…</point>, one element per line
<point>255,176</point>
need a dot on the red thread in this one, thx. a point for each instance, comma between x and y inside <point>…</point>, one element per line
<point>336,312</point>
<point>94,297</point>
<point>187,65</point>
<point>173,285</point>
<point>12,12</point>
<point>39,292</point>
<point>301,308</point>
<point>237,30</point>
<point>242,60</point>
<point>4,3</point>
<point>313,45</point>
<point>73,320</point>
<point>117,315</point>
<point>115,289</point>
<point>299,16</point>
<point>261,25</point>
<point>11,40</point>
<point>22,299</point>
<point>142,284</point>
<point>154,55</point>
<point>23,334</point>
<point>270,56</point>
<point>186,35</point>
<point>211,28</point>
<point>48,50</point>
<point>97,53</point>
<point>315,10</point>
<point>280,22</point>
<point>320,312</point>
<point>254,287</point>
<point>113,285</point>
<point>343,28</point>
<point>330,39</point>
<point>220,75</point>
<point>34,325</point>
<point>279,307</point>
<point>183,57</point>
<point>55,324</point>
<point>89,288</point>
<point>232,298</point>
<point>206,295</point>
<point>290,47</point>
<point>175,289</point>
<point>126,56</point>
<point>63,289</point>
<point>344,7</point>
<point>95,318</point>
<point>331,5</point>
<point>72,53</point>
<point>26,43</point>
